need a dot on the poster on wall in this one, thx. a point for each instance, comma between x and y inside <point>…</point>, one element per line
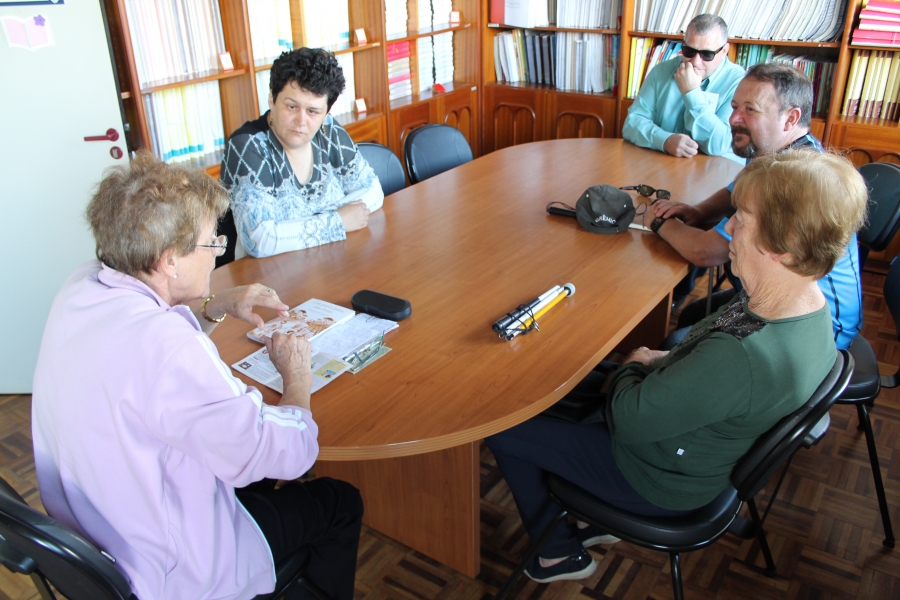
<point>31,33</point>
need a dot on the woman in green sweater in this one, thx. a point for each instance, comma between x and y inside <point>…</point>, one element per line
<point>677,422</point>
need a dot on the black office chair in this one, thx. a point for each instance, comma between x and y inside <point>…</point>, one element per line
<point>866,384</point>
<point>704,526</point>
<point>883,181</point>
<point>32,543</point>
<point>386,166</point>
<point>227,228</point>
<point>432,149</point>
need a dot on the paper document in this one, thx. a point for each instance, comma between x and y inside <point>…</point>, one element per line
<point>258,367</point>
<point>309,320</point>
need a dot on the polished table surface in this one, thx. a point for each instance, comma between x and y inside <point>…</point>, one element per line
<point>464,248</point>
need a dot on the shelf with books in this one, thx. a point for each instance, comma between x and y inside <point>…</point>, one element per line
<point>426,32</point>
<point>737,40</point>
<point>174,82</point>
<point>554,28</point>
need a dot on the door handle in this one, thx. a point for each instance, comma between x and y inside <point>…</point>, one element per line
<point>111,135</point>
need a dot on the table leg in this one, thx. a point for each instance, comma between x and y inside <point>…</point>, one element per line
<point>430,502</point>
<point>652,330</point>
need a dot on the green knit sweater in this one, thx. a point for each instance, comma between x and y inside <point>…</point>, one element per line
<point>681,425</point>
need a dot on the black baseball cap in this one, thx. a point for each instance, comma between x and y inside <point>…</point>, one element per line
<point>604,209</point>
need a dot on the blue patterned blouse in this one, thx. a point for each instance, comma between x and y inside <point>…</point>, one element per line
<point>275,213</point>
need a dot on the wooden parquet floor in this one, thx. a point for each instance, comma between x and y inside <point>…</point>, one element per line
<point>825,529</point>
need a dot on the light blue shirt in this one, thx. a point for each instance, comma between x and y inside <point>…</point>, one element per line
<point>660,110</point>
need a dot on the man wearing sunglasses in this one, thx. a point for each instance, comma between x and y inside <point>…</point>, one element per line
<point>772,113</point>
<point>684,103</point>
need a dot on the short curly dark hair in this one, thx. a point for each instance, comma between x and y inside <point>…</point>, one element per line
<point>313,69</point>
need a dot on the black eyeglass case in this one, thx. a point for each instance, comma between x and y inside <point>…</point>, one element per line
<point>381,305</point>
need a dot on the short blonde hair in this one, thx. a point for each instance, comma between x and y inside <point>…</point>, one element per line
<point>807,205</point>
<point>142,209</point>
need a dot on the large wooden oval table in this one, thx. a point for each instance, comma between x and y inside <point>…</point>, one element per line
<point>464,248</point>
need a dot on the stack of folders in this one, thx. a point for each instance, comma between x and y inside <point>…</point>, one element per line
<point>525,56</point>
<point>174,39</point>
<point>325,23</point>
<point>441,15</point>
<point>602,14</point>
<point>186,123</point>
<point>879,25</point>
<point>270,29</point>
<point>262,89</point>
<point>425,15</point>
<point>584,62</point>
<point>344,103</point>
<point>399,84</point>
<point>873,85</point>
<point>425,58</point>
<point>644,57</point>
<point>443,57</point>
<point>395,17</point>
<point>822,21</point>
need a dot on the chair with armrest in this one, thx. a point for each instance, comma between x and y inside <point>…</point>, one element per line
<point>34,544</point>
<point>883,181</point>
<point>696,530</point>
<point>386,165</point>
<point>432,149</point>
<point>866,384</point>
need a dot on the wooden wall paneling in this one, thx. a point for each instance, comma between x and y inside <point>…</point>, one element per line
<point>840,73</point>
<point>239,103</point>
<point>817,128</point>
<point>131,100</point>
<point>512,115</point>
<point>876,135</point>
<point>370,129</point>
<point>459,109</point>
<point>140,130</point>
<point>400,500</point>
<point>466,54</point>
<point>404,120</point>
<point>573,115</point>
<point>627,22</point>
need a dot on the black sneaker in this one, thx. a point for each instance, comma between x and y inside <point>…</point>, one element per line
<point>577,566</point>
<point>591,536</point>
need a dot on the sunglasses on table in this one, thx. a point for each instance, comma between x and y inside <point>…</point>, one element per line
<point>705,55</point>
<point>646,190</point>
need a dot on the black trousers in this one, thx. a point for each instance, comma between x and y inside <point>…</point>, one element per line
<point>323,516</point>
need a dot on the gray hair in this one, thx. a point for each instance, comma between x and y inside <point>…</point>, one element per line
<point>703,24</point>
<point>147,207</point>
<point>792,87</point>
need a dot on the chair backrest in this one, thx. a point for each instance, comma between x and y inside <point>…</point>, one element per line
<point>31,542</point>
<point>883,181</point>
<point>778,444</point>
<point>386,166</point>
<point>432,149</point>
<point>227,228</point>
<point>892,293</point>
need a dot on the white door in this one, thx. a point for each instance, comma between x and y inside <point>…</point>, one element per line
<point>51,98</point>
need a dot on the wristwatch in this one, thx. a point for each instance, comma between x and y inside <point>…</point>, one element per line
<point>656,224</point>
<point>206,316</point>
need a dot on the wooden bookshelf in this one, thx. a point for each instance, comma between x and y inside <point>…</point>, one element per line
<point>518,113</point>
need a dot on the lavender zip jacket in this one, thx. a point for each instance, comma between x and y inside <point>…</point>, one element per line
<point>141,434</point>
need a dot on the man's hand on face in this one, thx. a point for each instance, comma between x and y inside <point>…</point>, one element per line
<point>687,77</point>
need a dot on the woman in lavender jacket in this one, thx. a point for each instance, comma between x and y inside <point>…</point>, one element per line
<point>141,433</point>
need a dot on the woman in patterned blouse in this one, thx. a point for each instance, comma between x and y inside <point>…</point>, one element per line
<point>296,178</point>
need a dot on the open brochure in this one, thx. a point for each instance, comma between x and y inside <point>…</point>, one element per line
<point>354,341</point>
<point>309,320</point>
<point>259,367</point>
